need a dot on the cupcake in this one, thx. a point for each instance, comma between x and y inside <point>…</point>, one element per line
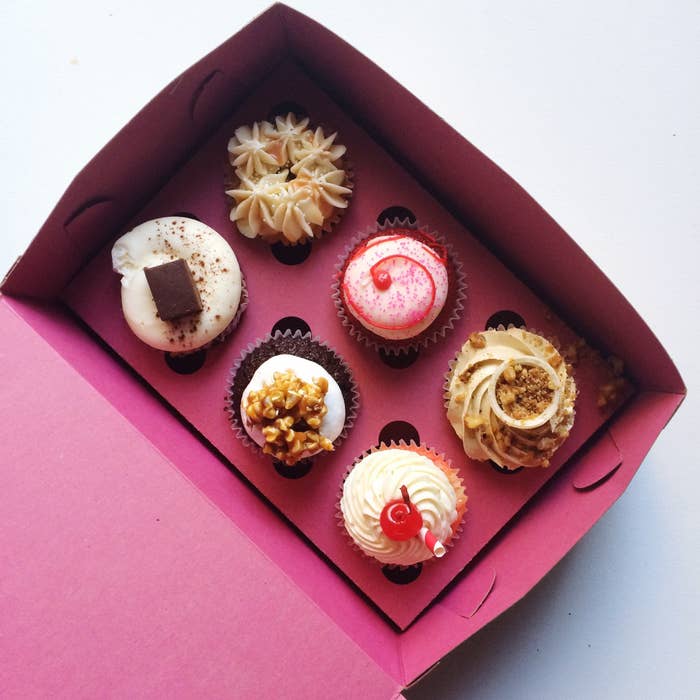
<point>290,182</point>
<point>398,288</point>
<point>292,397</point>
<point>510,398</point>
<point>402,504</point>
<point>181,285</point>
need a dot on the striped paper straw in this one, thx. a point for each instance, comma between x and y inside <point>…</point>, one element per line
<point>432,542</point>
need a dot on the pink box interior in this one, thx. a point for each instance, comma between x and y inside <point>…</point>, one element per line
<point>412,394</point>
<point>457,191</point>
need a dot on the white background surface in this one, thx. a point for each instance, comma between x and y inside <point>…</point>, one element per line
<point>594,107</point>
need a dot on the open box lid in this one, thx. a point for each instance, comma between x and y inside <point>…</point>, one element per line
<point>131,572</point>
<point>105,194</point>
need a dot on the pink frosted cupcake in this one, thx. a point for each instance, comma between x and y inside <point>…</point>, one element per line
<point>399,288</point>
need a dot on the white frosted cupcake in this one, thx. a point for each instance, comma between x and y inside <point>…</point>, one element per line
<point>290,182</point>
<point>510,398</point>
<point>292,397</point>
<point>181,285</point>
<point>402,504</point>
<point>292,408</point>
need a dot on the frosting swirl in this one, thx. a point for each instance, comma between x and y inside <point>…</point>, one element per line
<point>289,180</point>
<point>470,404</point>
<point>395,285</point>
<point>247,150</point>
<point>217,277</point>
<point>256,203</point>
<point>375,481</point>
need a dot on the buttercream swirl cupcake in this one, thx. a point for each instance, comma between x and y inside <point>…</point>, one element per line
<point>399,288</point>
<point>290,182</point>
<point>402,504</point>
<point>510,398</point>
<point>181,285</point>
<point>292,397</point>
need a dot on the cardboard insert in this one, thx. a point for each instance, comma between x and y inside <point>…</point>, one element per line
<point>412,395</point>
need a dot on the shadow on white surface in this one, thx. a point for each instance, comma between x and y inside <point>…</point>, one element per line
<point>624,586</point>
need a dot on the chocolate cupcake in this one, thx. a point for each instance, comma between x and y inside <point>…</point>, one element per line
<point>289,183</point>
<point>399,287</point>
<point>291,396</point>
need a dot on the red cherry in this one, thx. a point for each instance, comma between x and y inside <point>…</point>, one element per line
<point>381,279</point>
<point>400,519</point>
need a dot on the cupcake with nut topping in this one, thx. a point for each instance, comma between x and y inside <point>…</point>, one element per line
<point>510,398</point>
<point>291,397</point>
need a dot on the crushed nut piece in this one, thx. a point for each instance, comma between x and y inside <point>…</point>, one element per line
<point>473,422</point>
<point>290,412</point>
<point>617,366</point>
<point>465,374</point>
<point>524,392</point>
<point>555,360</point>
<point>477,340</point>
<point>611,392</point>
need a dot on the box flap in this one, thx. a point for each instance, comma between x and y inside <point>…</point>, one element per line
<point>112,560</point>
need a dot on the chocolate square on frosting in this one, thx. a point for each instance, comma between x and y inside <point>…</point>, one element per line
<point>173,289</point>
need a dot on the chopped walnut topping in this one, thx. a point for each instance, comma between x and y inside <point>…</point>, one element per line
<point>465,374</point>
<point>473,422</point>
<point>290,412</point>
<point>576,351</point>
<point>617,366</point>
<point>477,340</point>
<point>611,391</point>
<point>524,392</point>
<point>555,360</point>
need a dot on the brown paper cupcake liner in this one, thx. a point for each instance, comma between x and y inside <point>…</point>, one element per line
<point>242,305</point>
<point>421,448</point>
<point>231,181</point>
<point>436,332</point>
<point>453,362</point>
<point>289,343</point>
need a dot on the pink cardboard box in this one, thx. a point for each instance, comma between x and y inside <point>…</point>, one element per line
<point>134,544</point>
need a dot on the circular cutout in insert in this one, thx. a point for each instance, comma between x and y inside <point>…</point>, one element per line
<point>291,254</point>
<point>405,358</point>
<point>402,575</point>
<point>186,364</point>
<point>399,430</point>
<point>396,212</point>
<point>503,470</point>
<point>291,323</point>
<point>284,108</point>
<point>296,471</point>
<point>505,318</point>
